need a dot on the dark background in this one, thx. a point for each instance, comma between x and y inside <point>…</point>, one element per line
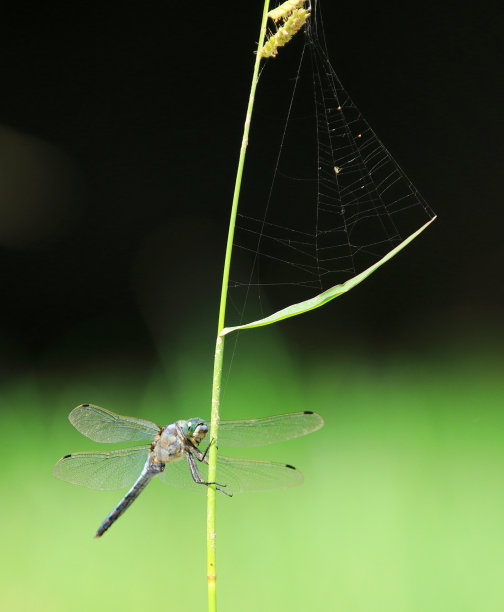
<point>119,137</point>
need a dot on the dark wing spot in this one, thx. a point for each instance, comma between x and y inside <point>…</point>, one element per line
<point>66,456</point>
<point>290,466</point>
<point>85,405</point>
<point>308,412</point>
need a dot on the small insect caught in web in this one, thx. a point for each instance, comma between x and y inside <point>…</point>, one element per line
<point>337,169</point>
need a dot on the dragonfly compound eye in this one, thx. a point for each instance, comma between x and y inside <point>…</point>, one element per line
<point>196,428</point>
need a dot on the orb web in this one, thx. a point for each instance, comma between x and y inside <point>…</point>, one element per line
<point>325,199</point>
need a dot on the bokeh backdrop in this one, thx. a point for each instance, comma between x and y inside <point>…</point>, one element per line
<point>119,136</point>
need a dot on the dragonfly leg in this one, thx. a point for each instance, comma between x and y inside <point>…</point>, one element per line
<point>196,476</point>
<point>202,458</point>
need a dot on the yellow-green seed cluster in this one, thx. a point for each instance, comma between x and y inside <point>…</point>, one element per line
<point>282,36</point>
<point>285,9</point>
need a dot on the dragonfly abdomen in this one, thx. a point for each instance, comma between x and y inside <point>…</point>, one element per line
<point>143,480</point>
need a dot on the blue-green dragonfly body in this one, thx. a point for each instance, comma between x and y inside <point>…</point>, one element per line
<point>174,455</point>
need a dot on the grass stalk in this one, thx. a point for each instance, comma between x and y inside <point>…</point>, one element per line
<point>219,347</point>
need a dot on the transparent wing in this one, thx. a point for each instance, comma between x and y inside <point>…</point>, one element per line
<point>102,425</point>
<point>239,475</point>
<point>177,474</point>
<point>104,471</point>
<point>259,432</point>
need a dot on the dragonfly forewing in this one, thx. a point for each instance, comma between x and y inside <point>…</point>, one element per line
<point>103,470</point>
<point>102,425</point>
<point>260,432</point>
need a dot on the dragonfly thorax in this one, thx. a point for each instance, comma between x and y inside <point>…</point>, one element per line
<point>174,439</point>
<point>169,445</point>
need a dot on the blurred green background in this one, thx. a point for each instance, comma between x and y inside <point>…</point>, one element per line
<point>401,508</point>
<point>119,136</point>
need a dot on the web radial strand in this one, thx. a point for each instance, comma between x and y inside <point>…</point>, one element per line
<point>337,201</point>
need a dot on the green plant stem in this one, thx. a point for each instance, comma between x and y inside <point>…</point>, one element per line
<point>219,348</point>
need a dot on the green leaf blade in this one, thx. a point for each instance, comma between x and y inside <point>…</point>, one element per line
<point>328,295</point>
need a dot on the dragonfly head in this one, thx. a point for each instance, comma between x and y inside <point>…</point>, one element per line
<point>195,430</point>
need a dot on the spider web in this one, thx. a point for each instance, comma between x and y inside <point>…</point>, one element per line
<point>337,201</point>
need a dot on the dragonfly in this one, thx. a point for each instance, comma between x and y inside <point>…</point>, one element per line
<point>172,454</point>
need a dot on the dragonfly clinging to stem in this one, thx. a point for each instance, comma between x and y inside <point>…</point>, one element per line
<point>168,446</point>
